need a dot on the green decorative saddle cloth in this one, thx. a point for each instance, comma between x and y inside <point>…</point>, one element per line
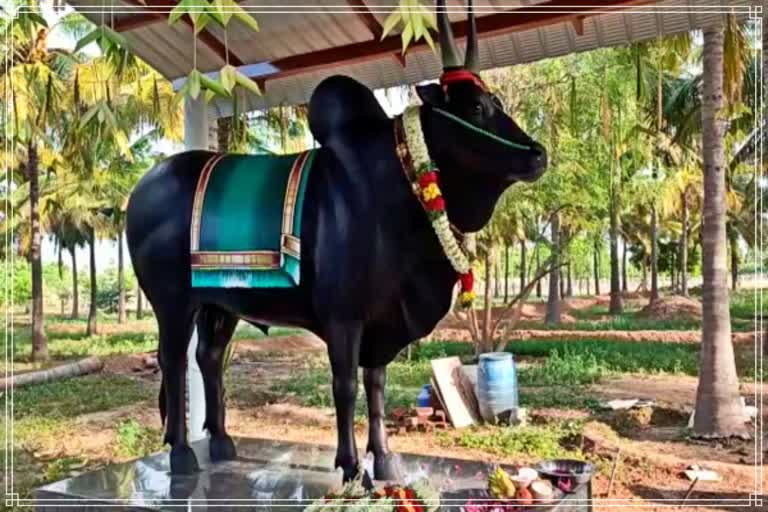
<point>246,221</point>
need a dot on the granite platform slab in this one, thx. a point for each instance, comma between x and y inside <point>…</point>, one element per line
<point>267,475</point>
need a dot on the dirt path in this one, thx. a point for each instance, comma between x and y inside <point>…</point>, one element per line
<point>673,391</point>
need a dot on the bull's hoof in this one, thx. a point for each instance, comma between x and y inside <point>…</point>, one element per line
<point>385,468</point>
<point>350,473</point>
<point>222,448</point>
<point>183,460</point>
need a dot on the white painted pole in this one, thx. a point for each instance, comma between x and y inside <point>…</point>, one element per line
<point>195,137</point>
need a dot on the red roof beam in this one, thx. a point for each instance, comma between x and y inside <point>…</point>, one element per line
<point>524,18</point>
<point>365,15</point>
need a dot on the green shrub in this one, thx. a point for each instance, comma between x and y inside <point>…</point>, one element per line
<point>539,442</point>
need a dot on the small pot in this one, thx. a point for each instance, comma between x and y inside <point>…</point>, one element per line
<point>542,491</point>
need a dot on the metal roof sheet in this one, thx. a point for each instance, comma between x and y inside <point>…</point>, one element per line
<point>328,24</point>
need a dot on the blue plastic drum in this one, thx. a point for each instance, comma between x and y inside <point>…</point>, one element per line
<point>496,385</point>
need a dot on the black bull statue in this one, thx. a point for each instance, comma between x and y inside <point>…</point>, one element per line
<point>374,276</point>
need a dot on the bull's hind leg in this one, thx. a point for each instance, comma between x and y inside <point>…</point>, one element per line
<point>384,467</point>
<point>343,341</point>
<point>214,330</point>
<point>175,326</point>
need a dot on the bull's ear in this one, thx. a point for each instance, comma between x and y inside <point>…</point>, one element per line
<point>431,94</point>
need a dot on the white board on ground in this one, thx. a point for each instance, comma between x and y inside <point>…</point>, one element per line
<point>448,376</point>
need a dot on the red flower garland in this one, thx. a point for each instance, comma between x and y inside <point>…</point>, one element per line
<point>434,203</point>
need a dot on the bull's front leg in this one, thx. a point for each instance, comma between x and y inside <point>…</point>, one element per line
<point>384,467</point>
<point>343,341</point>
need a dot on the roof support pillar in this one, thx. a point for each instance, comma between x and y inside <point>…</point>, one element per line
<point>195,123</point>
<point>195,137</point>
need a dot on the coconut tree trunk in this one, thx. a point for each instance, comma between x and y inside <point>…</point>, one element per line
<point>139,303</point>
<point>75,293</point>
<point>522,265</point>
<point>569,289</point>
<point>120,280</point>
<point>684,249</point>
<point>596,266</point>
<point>552,316</point>
<point>561,278</point>
<point>624,283</point>
<point>506,273</point>
<point>92,326</point>
<point>672,273</point>
<point>538,266</point>
<point>616,306</point>
<point>61,278</point>
<point>496,278</point>
<point>39,340</point>
<point>60,262</point>
<point>488,312</point>
<point>654,255</point>
<point>719,412</point>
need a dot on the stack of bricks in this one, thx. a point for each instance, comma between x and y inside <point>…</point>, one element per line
<point>419,419</point>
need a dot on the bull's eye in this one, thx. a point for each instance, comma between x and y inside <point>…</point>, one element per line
<point>497,102</point>
<point>477,108</point>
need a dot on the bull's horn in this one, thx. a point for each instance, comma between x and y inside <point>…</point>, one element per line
<point>472,61</point>
<point>448,48</point>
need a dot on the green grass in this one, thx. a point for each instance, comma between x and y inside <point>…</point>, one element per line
<point>743,305</point>
<point>572,397</point>
<point>133,440</point>
<point>249,332</point>
<point>134,339</point>
<point>312,386</point>
<point>592,319</point>
<point>70,398</point>
<point>75,345</point>
<point>564,369</point>
<point>530,441</point>
<point>617,356</point>
<point>581,361</point>
<point>46,414</point>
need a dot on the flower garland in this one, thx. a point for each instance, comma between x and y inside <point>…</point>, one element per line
<point>419,496</point>
<point>427,187</point>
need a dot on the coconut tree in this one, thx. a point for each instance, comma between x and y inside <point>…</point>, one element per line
<point>37,75</point>
<point>719,412</point>
<point>653,61</point>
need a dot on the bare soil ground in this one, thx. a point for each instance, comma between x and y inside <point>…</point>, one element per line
<point>671,308</point>
<point>453,328</point>
<point>652,456</point>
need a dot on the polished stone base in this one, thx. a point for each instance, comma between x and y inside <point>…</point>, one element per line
<point>267,475</point>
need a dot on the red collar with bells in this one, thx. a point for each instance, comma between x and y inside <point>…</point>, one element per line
<point>461,75</point>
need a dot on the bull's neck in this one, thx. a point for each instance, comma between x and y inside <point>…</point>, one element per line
<point>470,194</point>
